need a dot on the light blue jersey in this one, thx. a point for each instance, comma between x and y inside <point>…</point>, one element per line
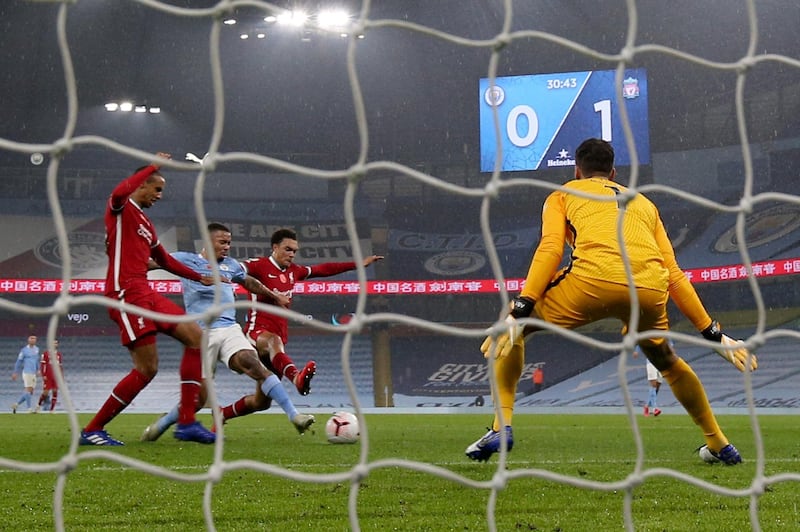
<point>197,297</point>
<point>28,360</point>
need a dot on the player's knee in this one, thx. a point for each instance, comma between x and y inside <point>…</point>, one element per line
<point>660,354</point>
<point>251,365</point>
<point>261,403</point>
<point>148,371</point>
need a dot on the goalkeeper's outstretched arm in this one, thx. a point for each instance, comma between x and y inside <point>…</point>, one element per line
<point>688,302</point>
<point>685,297</point>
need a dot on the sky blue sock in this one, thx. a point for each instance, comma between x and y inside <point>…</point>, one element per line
<point>272,388</point>
<point>651,400</point>
<point>168,420</point>
<point>25,398</point>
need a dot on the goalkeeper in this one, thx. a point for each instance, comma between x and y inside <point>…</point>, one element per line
<point>594,286</point>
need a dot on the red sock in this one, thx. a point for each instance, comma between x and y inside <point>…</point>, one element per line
<point>239,408</point>
<point>284,366</point>
<point>191,373</point>
<point>53,401</point>
<point>122,395</point>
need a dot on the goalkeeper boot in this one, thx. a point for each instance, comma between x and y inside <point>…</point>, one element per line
<point>728,455</point>
<point>98,437</point>
<point>303,378</point>
<point>489,444</point>
<point>153,431</point>
<point>302,422</point>
<point>194,432</point>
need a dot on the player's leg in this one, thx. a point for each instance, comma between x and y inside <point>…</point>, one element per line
<point>154,430</point>
<point>191,375</point>
<point>144,356</point>
<point>29,382</point>
<point>652,380</point>
<point>44,396</point>
<point>569,304</point>
<point>652,401</point>
<point>680,377</point>
<point>270,345</point>
<point>54,399</point>
<point>268,387</point>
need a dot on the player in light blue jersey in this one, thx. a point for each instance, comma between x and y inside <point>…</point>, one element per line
<point>27,364</point>
<point>226,341</point>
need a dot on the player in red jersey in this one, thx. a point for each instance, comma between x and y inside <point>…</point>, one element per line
<point>49,383</point>
<point>278,272</point>
<point>131,242</point>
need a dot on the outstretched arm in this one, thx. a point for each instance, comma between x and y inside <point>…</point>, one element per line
<point>255,286</point>
<point>169,263</point>
<point>327,269</point>
<point>685,297</point>
<point>120,194</point>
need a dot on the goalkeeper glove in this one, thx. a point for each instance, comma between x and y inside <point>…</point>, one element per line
<point>521,307</point>
<point>737,354</point>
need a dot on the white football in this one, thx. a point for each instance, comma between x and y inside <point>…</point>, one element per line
<point>342,427</point>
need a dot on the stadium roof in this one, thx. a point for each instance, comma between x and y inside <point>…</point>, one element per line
<point>288,94</point>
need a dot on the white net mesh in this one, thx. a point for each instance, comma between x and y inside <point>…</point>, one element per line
<point>499,31</point>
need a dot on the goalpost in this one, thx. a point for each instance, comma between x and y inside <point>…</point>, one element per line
<point>358,173</point>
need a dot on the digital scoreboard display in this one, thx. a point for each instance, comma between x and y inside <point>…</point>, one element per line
<point>544,117</point>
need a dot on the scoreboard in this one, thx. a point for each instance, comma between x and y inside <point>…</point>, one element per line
<point>544,117</point>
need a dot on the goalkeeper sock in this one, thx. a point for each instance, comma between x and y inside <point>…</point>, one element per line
<point>507,371</point>
<point>272,388</point>
<point>688,390</point>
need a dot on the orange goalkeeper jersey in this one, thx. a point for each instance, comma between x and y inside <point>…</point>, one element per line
<point>589,227</point>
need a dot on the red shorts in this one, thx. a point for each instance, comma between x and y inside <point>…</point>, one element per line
<point>133,326</point>
<point>49,384</point>
<point>253,332</point>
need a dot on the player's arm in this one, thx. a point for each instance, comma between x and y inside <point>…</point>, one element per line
<point>172,265</point>
<point>550,250</point>
<point>255,286</point>
<point>544,265</point>
<point>328,269</point>
<point>121,192</point>
<point>685,297</point>
<point>17,366</point>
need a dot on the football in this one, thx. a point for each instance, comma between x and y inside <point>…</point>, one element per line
<point>342,427</point>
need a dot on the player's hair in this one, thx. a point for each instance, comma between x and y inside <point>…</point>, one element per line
<point>213,227</point>
<point>595,156</point>
<point>281,234</point>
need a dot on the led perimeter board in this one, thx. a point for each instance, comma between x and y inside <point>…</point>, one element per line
<point>544,117</point>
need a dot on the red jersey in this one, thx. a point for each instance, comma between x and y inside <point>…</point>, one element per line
<point>48,373</point>
<point>131,240</point>
<point>276,279</point>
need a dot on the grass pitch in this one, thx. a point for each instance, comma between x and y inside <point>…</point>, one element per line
<point>259,487</point>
